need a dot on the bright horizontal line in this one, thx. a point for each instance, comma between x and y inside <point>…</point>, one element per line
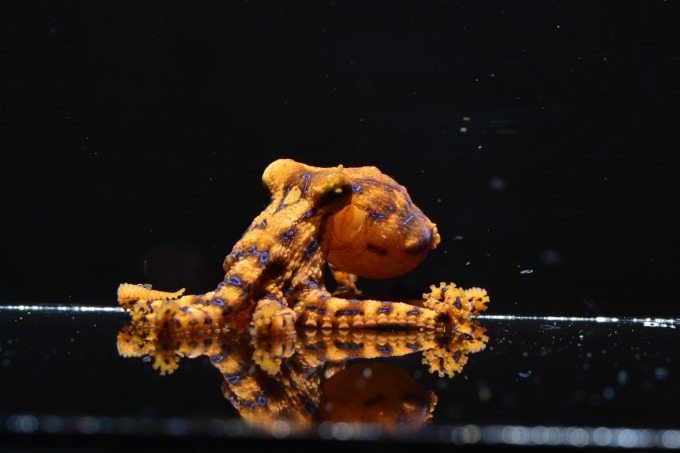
<point>61,308</point>
<point>598,319</point>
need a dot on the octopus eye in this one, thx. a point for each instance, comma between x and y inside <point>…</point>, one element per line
<point>347,224</point>
<point>333,193</point>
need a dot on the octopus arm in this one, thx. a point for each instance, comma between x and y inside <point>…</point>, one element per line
<point>446,308</point>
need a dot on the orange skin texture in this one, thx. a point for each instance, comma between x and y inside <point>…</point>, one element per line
<point>393,235</point>
<point>359,221</point>
<point>314,381</point>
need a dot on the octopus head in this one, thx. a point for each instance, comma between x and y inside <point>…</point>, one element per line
<point>374,228</point>
<point>381,233</point>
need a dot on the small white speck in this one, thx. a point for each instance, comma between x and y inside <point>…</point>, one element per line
<point>526,271</point>
<point>280,429</point>
<point>497,183</point>
<point>661,374</point>
<point>608,393</point>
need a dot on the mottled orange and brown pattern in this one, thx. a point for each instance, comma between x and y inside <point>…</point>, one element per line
<point>313,376</point>
<point>358,220</point>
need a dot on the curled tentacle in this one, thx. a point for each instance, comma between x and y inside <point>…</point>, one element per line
<point>455,305</point>
<point>451,353</point>
<point>128,294</point>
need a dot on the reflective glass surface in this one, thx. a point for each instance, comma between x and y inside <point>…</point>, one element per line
<point>551,382</point>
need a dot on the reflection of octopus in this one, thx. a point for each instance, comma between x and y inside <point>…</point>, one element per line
<point>303,379</point>
<point>358,220</point>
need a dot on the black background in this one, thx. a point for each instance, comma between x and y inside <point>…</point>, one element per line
<point>137,133</point>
